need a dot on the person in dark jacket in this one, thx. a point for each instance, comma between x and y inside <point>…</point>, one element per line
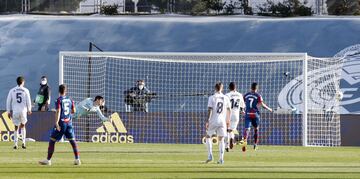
<point>44,95</point>
<point>138,97</point>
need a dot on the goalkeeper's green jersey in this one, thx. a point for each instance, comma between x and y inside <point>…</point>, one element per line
<point>86,107</point>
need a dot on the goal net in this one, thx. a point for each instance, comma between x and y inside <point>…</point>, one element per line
<point>302,90</point>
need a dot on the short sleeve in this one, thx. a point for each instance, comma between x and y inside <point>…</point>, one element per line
<point>72,106</point>
<point>242,101</point>
<point>57,104</point>
<point>228,104</point>
<point>210,102</point>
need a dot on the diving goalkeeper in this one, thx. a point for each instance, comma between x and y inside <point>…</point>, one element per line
<point>90,105</point>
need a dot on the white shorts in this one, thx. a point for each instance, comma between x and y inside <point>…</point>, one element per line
<point>234,122</point>
<point>218,130</point>
<point>19,118</point>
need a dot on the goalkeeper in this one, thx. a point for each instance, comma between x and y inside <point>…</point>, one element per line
<point>138,97</point>
<point>89,105</point>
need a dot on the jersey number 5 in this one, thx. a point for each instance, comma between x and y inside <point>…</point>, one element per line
<point>66,108</point>
<point>18,97</point>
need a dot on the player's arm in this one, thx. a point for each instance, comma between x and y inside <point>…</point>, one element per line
<point>57,118</point>
<point>87,104</point>
<point>242,104</point>
<point>8,104</point>
<point>266,107</point>
<point>28,102</point>
<point>210,109</point>
<point>261,102</point>
<point>57,114</point>
<point>73,109</point>
<point>101,115</point>
<point>228,113</point>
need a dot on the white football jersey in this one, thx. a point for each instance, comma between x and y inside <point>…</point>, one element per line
<point>219,104</point>
<point>236,101</point>
<point>18,100</point>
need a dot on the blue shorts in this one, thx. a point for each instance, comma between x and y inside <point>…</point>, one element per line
<point>66,129</point>
<point>252,121</point>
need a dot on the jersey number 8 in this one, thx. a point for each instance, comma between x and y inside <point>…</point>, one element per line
<point>219,107</point>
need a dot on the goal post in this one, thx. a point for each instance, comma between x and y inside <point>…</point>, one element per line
<point>301,89</point>
<point>305,101</point>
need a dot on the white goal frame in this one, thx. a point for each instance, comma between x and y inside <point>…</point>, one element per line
<point>303,56</point>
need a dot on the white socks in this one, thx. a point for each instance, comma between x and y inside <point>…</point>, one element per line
<point>232,135</point>
<point>221,149</point>
<point>23,135</point>
<point>209,147</point>
<point>16,136</point>
<point>227,139</point>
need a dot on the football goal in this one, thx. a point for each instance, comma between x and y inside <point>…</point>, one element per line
<point>172,108</point>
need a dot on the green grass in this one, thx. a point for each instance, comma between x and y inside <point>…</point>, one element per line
<point>178,161</point>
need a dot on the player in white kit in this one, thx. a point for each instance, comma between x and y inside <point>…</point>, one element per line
<point>218,120</point>
<point>18,105</point>
<point>237,107</point>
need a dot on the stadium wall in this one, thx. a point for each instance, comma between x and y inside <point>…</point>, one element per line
<point>134,129</point>
<point>29,45</point>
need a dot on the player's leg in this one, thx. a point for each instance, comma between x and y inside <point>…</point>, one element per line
<point>23,135</point>
<point>255,124</point>
<point>55,136</point>
<point>16,137</point>
<point>16,121</point>
<point>227,140</point>
<point>227,136</point>
<point>233,125</point>
<point>69,134</point>
<point>246,131</point>
<point>221,132</point>
<point>23,130</point>
<point>208,143</point>
<point>51,148</point>
<point>232,140</point>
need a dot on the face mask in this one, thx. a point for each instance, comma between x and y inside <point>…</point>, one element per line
<point>43,82</point>
<point>141,87</point>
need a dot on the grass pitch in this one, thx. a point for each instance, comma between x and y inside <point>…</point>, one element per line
<point>178,161</point>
